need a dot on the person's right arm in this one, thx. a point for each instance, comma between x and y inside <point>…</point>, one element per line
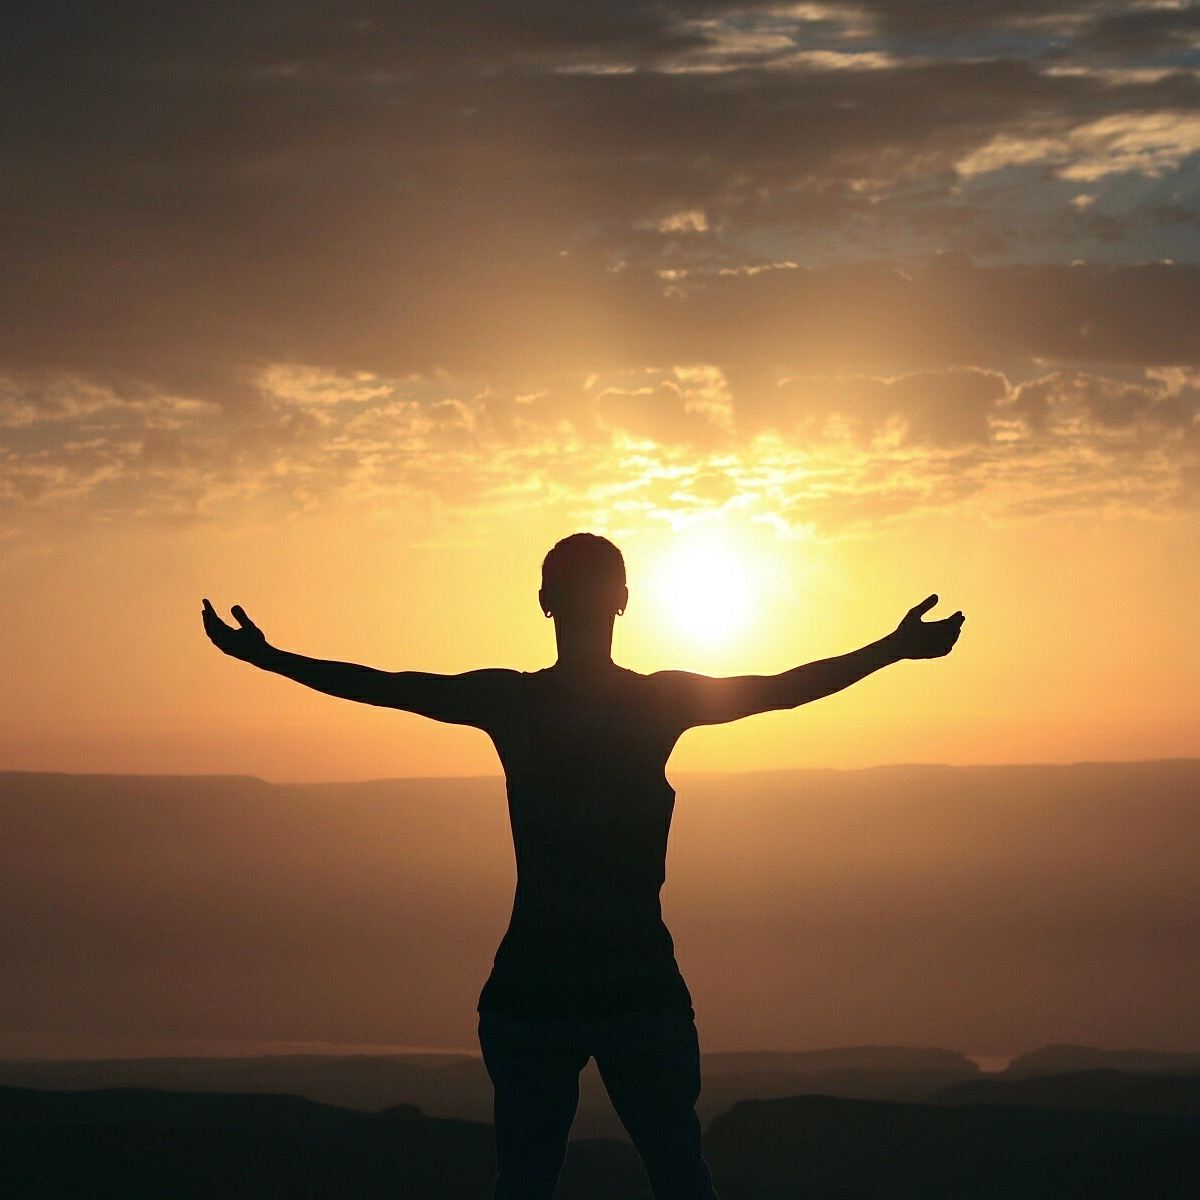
<point>473,698</point>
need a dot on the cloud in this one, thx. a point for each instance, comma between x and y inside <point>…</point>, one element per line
<point>691,220</point>
<point>835,455</point>
<point>281,256</point>
<point>1143,29</point>
<point>399,190</point>
<point>934,408</point>
<point>1145,143</point>
<point>308,386</point>
<point>687,404</point>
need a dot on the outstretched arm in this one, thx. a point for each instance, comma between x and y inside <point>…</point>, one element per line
<point>473,698</point>
<point>702,700</point>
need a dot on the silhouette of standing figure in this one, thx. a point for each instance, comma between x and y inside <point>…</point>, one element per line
<point>587,967</point>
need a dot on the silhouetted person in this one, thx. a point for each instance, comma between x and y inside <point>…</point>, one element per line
<point>587,967</point>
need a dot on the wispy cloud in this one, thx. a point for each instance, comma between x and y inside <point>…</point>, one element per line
<point>1144,143</point>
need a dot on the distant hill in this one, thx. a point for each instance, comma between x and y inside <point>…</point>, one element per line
<point>142,1144</point>
<point>146,1145</point>
<point>457,1085</point>
<point>151,1108</point>
<point>822,1148</point>
<point>843,1059</point>
<point>992,908</point>
<point>449,1086</point>
<point>1083,1091</point>
<point>866,1072</point>
<point>1062,1060</point>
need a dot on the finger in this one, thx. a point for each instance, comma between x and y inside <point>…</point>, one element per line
<point>925,605</point>
<point>240,615</point>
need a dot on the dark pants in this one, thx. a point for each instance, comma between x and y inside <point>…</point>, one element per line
<point>650,1064</point>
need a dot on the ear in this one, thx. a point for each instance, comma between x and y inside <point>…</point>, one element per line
<point>543,603</point>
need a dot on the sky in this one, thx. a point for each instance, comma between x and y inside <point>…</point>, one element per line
<point>347,312</point>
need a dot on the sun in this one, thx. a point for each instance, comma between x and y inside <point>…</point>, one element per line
<point>702,585</point>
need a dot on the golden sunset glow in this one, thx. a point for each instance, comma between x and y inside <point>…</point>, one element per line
<point>704,588</point>
<point>793,368</point>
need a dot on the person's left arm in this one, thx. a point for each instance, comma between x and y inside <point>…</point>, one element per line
<point>704,700</point>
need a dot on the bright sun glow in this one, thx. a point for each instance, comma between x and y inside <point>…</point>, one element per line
<point>704,588</point>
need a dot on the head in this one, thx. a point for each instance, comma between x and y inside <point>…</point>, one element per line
<point>583,577</point>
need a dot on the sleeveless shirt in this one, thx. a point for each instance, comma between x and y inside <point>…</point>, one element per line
<point>590,809</point>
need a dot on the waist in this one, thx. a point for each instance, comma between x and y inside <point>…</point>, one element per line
<point>585,988</point>
<point>585,900</point>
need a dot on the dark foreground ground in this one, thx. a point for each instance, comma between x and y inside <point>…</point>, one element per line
<point>1096,1134</point>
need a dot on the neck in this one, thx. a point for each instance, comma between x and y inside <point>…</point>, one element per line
<point>584,647</point>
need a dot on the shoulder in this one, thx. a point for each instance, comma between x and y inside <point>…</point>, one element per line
<point>486,697</point>
<point>674,683</point>
<point>690,699</point>
<point>493,680</point>
<point>488,689</point>
<point>666,691</point>
<point>503,675</point>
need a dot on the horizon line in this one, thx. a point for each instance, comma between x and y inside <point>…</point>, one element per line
<point>499,776</point>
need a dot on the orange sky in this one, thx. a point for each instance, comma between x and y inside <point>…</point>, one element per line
<point>1078,643</point>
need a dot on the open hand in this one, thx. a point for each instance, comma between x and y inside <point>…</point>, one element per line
<point>915,638</point>
<point>246,642</point>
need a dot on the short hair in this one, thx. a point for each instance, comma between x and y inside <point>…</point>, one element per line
<point>583,565</point>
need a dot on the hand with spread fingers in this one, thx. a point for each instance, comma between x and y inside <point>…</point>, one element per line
<point>245,642</point>
<point>915,638</point>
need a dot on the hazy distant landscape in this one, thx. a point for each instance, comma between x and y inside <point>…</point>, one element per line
<point>857,943</point>
<point>991,910</point>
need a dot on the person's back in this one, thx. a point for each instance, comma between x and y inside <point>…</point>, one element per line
<point>590,808</point>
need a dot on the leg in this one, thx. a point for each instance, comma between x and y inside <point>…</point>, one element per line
<point>650,1064</point>
<point>534,1065</point>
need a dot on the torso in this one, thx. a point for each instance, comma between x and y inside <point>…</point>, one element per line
<point>590,809</point>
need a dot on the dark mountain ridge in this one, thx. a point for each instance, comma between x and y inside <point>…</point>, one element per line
<point>457,1085</point>
<point>141,1143</point>
<point>828,1148</point>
